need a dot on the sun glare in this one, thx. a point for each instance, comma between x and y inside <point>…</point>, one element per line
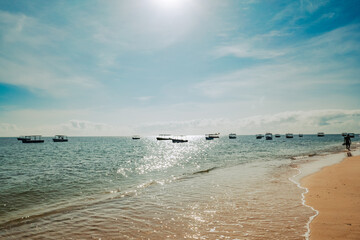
<point>170,4</point>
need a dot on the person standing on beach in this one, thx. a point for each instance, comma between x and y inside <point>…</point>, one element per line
<point>347,141</point>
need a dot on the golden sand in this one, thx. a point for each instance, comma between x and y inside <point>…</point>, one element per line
<point>335,193</point>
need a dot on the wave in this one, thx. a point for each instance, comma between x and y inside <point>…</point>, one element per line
<point>303,201</point>
<point>303,156</point>
<point>204,171</point>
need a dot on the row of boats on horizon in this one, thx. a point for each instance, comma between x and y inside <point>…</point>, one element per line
<point>175,139</point>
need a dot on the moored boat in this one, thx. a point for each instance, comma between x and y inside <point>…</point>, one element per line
<point>32,139</point>
<point>163,137</point>
<point>232,136</point>
<point>321,134</point>
<point>214,135</point>
<point>60,138</point>
<point>179,140</point>
<point>208,137</point>
<point>289,135</point>
<point>259,136</point>
<point>268,136</point>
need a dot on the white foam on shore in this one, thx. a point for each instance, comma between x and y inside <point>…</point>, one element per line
<point>308,168</point>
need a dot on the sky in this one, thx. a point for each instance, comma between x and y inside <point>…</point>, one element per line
<point>125,67</point>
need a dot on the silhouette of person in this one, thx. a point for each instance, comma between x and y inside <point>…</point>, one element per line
<point>347,141</point>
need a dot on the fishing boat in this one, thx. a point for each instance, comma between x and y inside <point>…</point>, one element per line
<point>164,137</point>
<point>214,135</point>
<point>135,137</point>
<point>289,135</point>
<point>277,135</point>
<point>208,137</point>
<point>60,138</point>
<point>232,136</point>
<point>321,134</point>
<point>259,136</point>
<point>179,139</point>
<point>268,136</point>
<point>32,139</point>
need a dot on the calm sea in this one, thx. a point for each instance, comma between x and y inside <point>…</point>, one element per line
<point>119,188</point>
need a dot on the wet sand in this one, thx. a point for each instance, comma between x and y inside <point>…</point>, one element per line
<point>335,193</point>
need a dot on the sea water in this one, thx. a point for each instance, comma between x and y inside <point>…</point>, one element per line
<point>119,188</point>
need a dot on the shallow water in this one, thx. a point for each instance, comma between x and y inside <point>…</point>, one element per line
<point>119,188</point>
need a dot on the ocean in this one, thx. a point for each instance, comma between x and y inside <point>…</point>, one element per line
<point>119,188</point>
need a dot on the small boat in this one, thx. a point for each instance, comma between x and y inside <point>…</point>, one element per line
<point>321,134</point>
<point>164,137</point>
<point>289,135</point>
<point>32,139</point>
<point>179,140</point>
<point>301,135</point>
<point>232,136</point>
<point>214,135</point>
<point>135,137</point>
<point>259,136</point>
<point>208,137</point>
<point>277,135</point>
<point>268,136</point>
<point>60,138</point>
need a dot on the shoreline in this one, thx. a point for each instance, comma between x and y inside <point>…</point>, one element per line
<point>332,192</point>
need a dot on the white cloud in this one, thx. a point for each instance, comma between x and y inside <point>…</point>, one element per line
<point>247,51</point>
<point>144,98</point>
<point>312,6</point>
<point>87,128</point>
<point>32,60</point>
<point>330,59</point>
<point>328,121</point>
<point>311,122</point>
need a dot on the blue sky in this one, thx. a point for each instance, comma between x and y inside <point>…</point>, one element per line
<point>179,66</point>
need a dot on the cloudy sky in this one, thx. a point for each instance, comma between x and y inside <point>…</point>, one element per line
<point>145,67</point>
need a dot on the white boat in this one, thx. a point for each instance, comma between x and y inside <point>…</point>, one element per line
<point>268,136</point>
<point>32,139</point>
<point>164,137</point>
<point>321,134</point>
<point>289,135</point>
<point>259,136</point>
<point>60,138</point>
<point>208,137</point>
<point>179,139</point>
<point>214,135</point>
<point>232,135</point>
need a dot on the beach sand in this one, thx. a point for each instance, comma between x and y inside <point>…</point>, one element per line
<point>335,193</point>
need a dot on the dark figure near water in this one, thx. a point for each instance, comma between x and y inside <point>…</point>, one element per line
<point>347,141</point>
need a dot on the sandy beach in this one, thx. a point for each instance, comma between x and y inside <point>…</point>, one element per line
<point>335,193</point>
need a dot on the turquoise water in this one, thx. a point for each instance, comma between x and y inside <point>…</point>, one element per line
<point>119,188</point>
